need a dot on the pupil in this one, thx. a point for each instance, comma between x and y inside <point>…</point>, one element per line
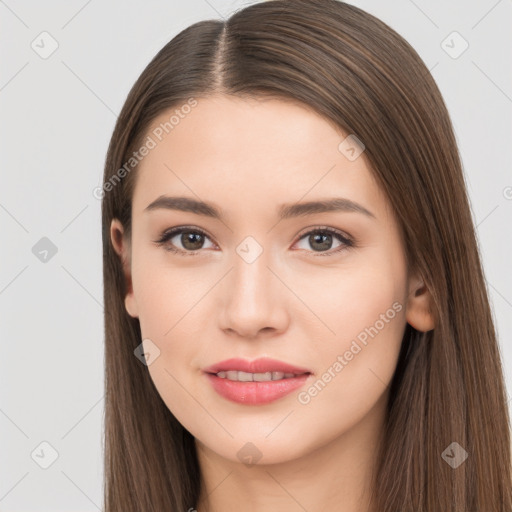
<point>324,244</point>
<point>191,238</point>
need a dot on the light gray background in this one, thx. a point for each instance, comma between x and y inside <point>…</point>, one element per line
<point>57,117</point>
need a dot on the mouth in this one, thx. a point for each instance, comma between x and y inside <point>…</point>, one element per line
<point>258,367</point>
<point>239,376</point>
<point>255,382</point>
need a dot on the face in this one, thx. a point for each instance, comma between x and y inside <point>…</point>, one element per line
<point>323,290</point>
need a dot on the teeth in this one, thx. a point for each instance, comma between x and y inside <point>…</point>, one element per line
<point>245,377</point>
<point>256,377</point>
<point>260,377</point>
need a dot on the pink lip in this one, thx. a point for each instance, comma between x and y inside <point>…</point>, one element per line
<point>255,393</point>
<point>261,365</point>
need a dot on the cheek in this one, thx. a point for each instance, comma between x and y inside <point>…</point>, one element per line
<point>361,306</point>
<point>165,295</point>
<point>354,296</point>
<point>366,311</point>
<point>370,299</point>
<point>169,302</point>
<point>355,366</point>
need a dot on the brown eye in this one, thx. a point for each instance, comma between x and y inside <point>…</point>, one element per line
<point>188,241</point>
<point>191,240</point>
<point>320,240</point>
<point>183,240</point>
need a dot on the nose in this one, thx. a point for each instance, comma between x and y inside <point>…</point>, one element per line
<point>253,299</point>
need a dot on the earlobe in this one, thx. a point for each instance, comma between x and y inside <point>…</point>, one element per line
<point>420,310</point>
<point>130,305</point>
<point>122,249</point>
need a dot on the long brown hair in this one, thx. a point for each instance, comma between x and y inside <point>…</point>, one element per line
<point>448,386</point>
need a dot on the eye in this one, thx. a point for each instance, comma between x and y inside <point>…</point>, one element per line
<point>321,240</point>
<point>192,240</point>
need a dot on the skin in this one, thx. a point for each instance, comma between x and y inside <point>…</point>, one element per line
<point>292,304</point>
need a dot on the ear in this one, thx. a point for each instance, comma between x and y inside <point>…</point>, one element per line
<point>420,306</point>
<point>122,248</point>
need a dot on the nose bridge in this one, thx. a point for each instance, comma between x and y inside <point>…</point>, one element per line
<point>252,298</point>
<point>251,277</point>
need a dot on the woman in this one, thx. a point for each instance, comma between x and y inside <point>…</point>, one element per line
<point>296,316</point>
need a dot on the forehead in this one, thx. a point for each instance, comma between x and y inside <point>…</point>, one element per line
<point>249,152</point>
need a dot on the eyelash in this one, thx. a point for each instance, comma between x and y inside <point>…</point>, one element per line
<point>346,241</point>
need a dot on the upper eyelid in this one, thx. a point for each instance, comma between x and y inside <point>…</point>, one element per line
<point>310,229</point>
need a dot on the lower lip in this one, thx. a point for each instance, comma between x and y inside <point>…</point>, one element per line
<point>255,393</point>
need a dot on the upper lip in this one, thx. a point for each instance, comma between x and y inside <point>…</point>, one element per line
<point>260,365</point>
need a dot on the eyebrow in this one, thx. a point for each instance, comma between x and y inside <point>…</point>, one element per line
<point>285,211</point>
